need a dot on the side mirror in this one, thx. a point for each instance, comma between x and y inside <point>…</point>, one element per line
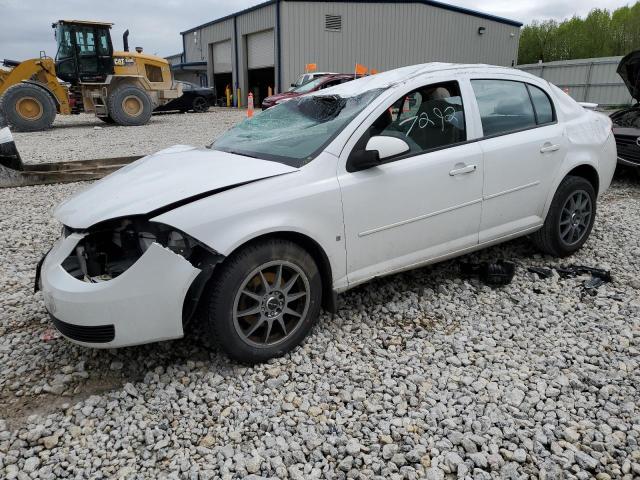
<point>378,148</point>
<point>387,147</point>
<point>363,160</point>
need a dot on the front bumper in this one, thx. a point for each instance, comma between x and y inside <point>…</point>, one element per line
<point>142,305</point>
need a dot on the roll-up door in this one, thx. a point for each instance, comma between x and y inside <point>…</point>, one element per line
<point>260,50</point>
<point>222,57</point>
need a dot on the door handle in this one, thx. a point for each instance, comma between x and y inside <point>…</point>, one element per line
<point>463,170</point>
<point>548,148</point>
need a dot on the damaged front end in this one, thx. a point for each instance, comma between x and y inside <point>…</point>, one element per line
<point>122,271</point>
<point>626,122</point>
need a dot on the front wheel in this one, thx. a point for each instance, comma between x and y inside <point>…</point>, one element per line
<point>264,300</point>
<point>28,107</point>
<point>570,218</point>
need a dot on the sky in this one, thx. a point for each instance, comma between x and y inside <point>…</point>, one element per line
<point>25,25</point>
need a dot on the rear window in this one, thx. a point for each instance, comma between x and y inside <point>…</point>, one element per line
<point>505,106</point>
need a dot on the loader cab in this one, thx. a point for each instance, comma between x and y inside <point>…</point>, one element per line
<point>85,51</point>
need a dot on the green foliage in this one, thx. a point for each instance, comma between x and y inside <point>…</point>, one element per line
<point>601,34</point>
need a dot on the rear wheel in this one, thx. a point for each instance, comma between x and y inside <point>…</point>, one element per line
<point>264,301</point>
<point>570,218</point>
<point>28,107</point>
<point>129,106</point>
<point>200,105</point>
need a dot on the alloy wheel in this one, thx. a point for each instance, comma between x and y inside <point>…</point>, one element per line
<point>575,217</point>
<point>200,105</point>
<point>271,303</point>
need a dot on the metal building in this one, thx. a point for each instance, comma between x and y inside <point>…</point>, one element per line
<point>268,45</point>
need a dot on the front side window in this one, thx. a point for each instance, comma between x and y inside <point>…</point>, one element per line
<point>296,131</point>
<point>505,106</point>
<point>428,118</point>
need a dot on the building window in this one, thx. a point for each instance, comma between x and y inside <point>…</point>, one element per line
<point>333,23</point>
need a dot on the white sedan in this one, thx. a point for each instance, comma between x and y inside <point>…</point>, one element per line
<point>317,195</point>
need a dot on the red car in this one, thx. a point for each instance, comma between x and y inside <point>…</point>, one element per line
<point>314,85</point>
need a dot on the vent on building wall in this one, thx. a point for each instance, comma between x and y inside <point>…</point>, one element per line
<point>333,22</point>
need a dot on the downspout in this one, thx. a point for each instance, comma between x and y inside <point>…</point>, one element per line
<point>184,50</point>
<point>278,44</point>
<point>235,50</point>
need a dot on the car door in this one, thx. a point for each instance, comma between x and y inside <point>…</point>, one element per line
<point>420,205</point>
<point>523,146</point>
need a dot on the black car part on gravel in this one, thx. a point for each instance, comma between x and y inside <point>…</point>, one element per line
<point>493,274</point>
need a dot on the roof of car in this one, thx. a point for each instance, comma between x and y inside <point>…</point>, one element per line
<point>391,77</point>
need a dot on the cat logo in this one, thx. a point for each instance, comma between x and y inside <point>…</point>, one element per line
<point>123,61</point>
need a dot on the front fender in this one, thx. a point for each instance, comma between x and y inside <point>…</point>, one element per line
<point>288,203</point>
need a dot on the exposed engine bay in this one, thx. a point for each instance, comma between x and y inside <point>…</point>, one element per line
<point>112,247</point>
<point>627,118</point>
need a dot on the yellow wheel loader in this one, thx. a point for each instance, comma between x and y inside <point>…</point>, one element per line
<point>87,75</point>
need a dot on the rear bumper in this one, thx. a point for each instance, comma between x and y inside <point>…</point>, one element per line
<point>142,305</point>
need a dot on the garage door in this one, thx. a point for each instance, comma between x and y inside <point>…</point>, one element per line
<point>222,57</point>
<point>260,49</point>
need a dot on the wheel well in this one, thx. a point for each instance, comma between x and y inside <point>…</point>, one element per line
<point>320,257</point>
<point>588,173</point>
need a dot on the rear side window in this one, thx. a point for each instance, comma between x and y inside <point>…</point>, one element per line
<point>542,104</point>
<point>505,106</point>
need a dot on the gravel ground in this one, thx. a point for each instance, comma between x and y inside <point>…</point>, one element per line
<point>419,375</point>
<point>83,137</point>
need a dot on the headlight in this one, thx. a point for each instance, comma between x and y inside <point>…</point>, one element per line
<point>112,247</point>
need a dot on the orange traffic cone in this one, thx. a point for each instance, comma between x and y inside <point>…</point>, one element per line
<point>250,106</point>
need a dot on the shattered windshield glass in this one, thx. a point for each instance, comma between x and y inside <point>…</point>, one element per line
<point>294,132</point>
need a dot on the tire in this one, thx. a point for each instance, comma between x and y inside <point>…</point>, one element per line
<point>28,107</point>
<point>551,238</point>
<point>200,105</point>
<point>129,106</point>
<point>246,271</point>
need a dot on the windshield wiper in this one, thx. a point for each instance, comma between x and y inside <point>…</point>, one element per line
<point>235,152</point>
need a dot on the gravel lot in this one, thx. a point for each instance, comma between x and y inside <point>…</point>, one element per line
<point>83,137</point>
<point>419,375</point>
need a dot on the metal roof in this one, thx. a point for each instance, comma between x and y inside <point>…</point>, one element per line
<point>431,3</point>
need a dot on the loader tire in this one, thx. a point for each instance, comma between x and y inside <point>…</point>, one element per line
<point>28,108</point>
<point>130,106</point>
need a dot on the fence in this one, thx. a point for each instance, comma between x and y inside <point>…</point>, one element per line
<point>588,80</point>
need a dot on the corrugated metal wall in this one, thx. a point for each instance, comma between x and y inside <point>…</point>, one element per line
<point>250,22</point>
<point>588,80</point>
<point>385,36</point>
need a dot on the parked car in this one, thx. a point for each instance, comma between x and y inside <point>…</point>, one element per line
<point>318,83</point>
<point>307,77</point>
<point>194,97</point>
<point>319,194</point>
<point>626,122</point>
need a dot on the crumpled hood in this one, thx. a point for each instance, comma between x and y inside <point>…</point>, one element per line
<point>629,70</point>
<point>156,181</point>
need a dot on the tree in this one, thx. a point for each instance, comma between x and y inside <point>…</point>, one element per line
<point>601,33</point>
